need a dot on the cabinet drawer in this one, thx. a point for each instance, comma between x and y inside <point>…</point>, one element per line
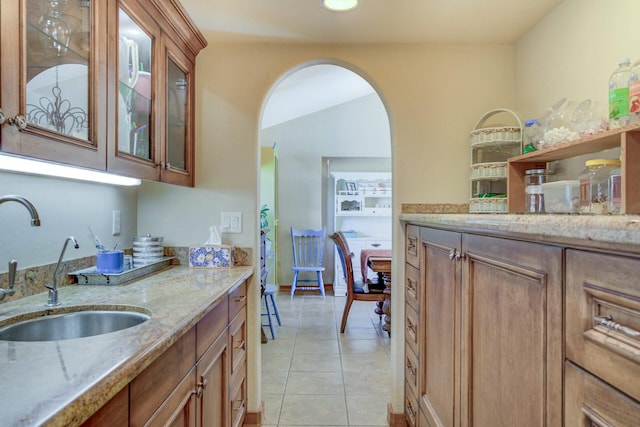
<point>211,326</point>
<point>149,389</point>
<point>238,400</point>
<point>411,370</point>
<point>589,401</point>
<point>603,317</point>
<point>412,245</point>
<point>412,286</point>
<point>238,343</point>
<point>237,300</point>
<point>411,328</point>
<point>114,413</point>
<point>411,408</point>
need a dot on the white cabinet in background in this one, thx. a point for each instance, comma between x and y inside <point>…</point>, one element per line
<point>362,210</point>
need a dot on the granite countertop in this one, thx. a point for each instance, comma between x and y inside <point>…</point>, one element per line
<point>601,231</point>
<point>61,383</point>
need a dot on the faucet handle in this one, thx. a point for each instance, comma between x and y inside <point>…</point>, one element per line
<point>13,266</point>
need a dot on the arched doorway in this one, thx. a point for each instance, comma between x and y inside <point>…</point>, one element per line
<point>317,119</point>
<point>351,133</point>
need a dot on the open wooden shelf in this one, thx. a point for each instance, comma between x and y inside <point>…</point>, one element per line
<point>627,138</point>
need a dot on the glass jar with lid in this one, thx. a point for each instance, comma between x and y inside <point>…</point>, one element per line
<point>595,185</point>
<point>533,197</point>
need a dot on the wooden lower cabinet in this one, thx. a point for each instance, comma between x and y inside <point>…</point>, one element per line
<point>490,316</point>
<point>200,381</point>
<point>213,383</point>
<point>179,409</point>
<point>511,333</point>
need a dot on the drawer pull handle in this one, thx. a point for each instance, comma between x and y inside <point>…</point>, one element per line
<point>238,405</point>
<point>608,322</point>
<point>411,370</point>
<point>410,411</point>
<point>201,386</point>
<point>240,345</point>
<point>241,298</point>
<point>411,285</point>
<point>411,327</point>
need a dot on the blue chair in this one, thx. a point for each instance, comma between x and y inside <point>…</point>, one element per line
<point>268,297</point>
<point>308,249</point>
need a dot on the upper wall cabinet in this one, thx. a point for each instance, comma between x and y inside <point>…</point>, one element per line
<point>105,85</point>
<point>152,133</point>
<point>53,80</point>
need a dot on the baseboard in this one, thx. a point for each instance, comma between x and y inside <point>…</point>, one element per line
<point>254,419</point>
<point>395,419</point>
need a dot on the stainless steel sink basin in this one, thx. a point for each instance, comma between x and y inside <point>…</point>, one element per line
<point>76,324</point>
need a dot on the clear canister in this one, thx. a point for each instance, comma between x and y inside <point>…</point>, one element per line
<point>595,185</point>
<point>615,190</point>
<point>533,197</point>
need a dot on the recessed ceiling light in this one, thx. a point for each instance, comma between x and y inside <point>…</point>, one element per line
<point>340,5</point>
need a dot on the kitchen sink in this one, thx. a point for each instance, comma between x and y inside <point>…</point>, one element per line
<point>71,325</point>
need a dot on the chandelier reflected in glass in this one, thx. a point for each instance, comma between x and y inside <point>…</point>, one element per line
<point>57,113</point>
<point>56,32</point>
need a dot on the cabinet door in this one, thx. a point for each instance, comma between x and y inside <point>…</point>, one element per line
<point>156,383</point>
<point>53,80</point>
<point>132,123</point>
<point>212,372</point>
<point>177,151</point>
<point>179,409</point>
<point>511,363</point>
<point>440,313</point>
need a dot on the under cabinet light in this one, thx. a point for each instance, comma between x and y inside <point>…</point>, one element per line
<point>37,167</point>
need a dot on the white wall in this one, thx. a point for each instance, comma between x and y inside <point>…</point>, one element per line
<point>65,207</point>
<point>571,54</point>
<point>573,51</point>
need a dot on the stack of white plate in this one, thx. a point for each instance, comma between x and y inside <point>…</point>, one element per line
<point>147,250</point>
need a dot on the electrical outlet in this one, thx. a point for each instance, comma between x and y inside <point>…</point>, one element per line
<point>231,222</point>
<point>115,223</point>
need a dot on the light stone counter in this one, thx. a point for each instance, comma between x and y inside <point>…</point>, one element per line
<point>590,231</point>
<point>61,383</point>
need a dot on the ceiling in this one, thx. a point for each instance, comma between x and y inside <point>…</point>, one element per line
<point>374,21</point>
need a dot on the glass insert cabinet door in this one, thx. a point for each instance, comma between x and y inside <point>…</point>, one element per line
<point>57,52</point>
<point>135,49</point>
<point>177,115</point>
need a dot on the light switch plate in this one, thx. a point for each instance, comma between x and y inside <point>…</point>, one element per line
<point>115,224</point>
<point>231,222</point>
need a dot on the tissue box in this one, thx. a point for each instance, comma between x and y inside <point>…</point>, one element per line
<point>222,256</point>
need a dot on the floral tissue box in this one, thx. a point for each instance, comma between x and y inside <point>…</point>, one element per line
<point>222,256</point>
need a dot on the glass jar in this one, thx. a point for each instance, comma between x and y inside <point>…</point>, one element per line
<point>533,197</point>
<point>595,185</point>
<point>615,190</point>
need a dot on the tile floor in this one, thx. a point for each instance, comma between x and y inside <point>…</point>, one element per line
<point>312,375</point>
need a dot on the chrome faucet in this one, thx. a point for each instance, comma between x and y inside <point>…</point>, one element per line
<point>35,219</point>
<point>35,222</point>
<point>53,288</point>
<point>13,265</point>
